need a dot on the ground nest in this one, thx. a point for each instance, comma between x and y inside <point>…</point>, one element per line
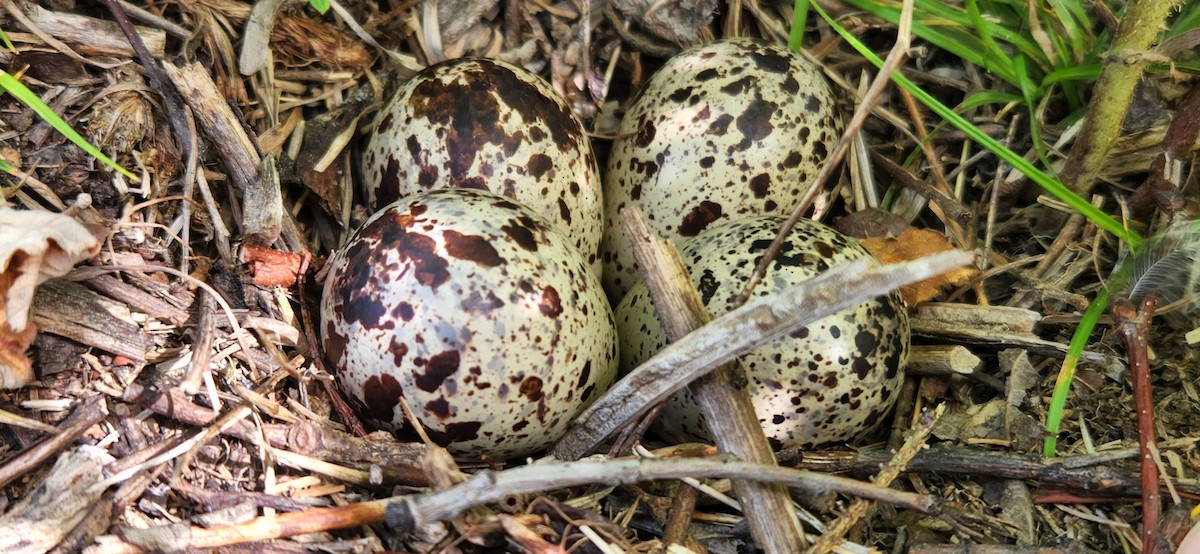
<point>175,396</point>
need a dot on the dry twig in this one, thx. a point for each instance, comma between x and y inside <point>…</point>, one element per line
<point>1135,327</point>
<point>727,408</point>
<point>737,332</point>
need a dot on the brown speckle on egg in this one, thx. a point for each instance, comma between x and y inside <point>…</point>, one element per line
<point>829,381</point>
<point>730,129</point>
<point>440,295</point>
<point>489,125</point>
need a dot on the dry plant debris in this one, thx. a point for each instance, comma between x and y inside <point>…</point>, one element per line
<point>913,244</point>
<point>169,393</point>
<point>35,246</point>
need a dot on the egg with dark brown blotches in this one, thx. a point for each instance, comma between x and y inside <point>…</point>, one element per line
<point>830,381</point>
<point>490,125</point>
<point>733,128</point>
<point>477,314</point>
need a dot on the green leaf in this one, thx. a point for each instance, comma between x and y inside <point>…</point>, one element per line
<point>949,29</point>
<point>27,97</point>
<point>1187,20</point>
<point>1066,374</point>
<point>321,6</point>
<point>985,98</point>
<point>1089,72</point>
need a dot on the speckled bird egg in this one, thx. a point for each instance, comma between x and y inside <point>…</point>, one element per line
<point>830,381</point>
<point>486,124</point>
<point>732,128</point>
<point>476,313</point>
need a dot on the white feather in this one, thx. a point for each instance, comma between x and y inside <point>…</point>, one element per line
<point>1169,265</point>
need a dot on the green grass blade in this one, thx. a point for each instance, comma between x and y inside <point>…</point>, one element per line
<point>799,20</point>
<point>954,39</point>
<point>981,27</point>
<point>7,43</point>
<point>1100,304</point>
<point>1075,19</point>
<point>1095,215</point>
<point>985,98</point>
<point>27,97</point>
<point>946,33</point>
<point>1089,72</point>
<point>1188,19</point>
<point>1001,31</point>
<point>1030,93</point>
<point>321,6</point>
<point>1062,385</point>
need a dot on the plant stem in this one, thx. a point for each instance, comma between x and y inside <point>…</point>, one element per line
<point>1114,91</point>
<point>727,407</point>
<point>1135,329</point>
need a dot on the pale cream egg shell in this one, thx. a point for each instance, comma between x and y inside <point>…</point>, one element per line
<point>490,125</point>
<point>829,382</point>
<point>476,313</point>
<point>732,128</point>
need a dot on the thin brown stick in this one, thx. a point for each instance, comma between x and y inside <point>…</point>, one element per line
<point>171,96</point>
<point>954,226</point>
<point>950,205</point>
<point>728,410</point>
<point>1135,328</point>
<point>890,471</point>
<point>680,516</point>
<point>180,536</point>
<point>406,513</point>
<point>202,343</point>
<point>411,512</point>
<point>315,352</point>
<point>641,43</point>
<point>156,21</point>
<point>217,121</point>
<point>400,462</point>
<point>628,437</point>
<point>1053,256</point>
<point>89,413</point>
<point>1162,188</point>
<point>1094,475</point>
<point>89,34</point>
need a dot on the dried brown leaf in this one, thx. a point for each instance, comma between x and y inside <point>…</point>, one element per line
<point>529,539</point>
<point>34,246</point>
<point>913,244</point>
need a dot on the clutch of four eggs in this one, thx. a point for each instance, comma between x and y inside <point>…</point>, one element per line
<point>478,294</point>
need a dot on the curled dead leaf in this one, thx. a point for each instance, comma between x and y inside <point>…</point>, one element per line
<point>35,246</point>
<point>913,244</point>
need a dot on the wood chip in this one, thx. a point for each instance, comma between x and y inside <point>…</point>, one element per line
<point>73,311</point>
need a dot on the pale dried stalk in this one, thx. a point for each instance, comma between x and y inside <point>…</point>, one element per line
<point>739,331</point>
<point>218,121</point>
<point>91,35</point>
<point>728,410</point>
<point>410,512</point>
<point>942,359</point>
